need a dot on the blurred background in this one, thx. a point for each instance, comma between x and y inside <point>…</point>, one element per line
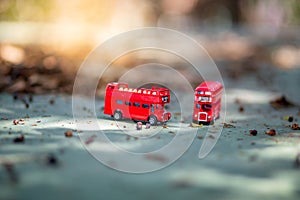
<point>43,42</point>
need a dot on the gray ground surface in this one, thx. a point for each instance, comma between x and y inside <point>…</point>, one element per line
<point>240,166</point>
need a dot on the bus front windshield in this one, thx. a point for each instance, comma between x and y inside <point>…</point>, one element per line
<point>158,106</point>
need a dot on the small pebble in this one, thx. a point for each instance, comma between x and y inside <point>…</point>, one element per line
<point>241,109</point>
<point>16,122</point>
<point>68,133</point>
<point>237,101</point>
<point>19,139</point>
<point>30,98</point>
<point>139,126</point>
<point>51,160</point>
<point>295,126</point>
<point>211,137</point>
<point>253,132</point>
<point>200,137</point>
<point>22,121</point>
<point>15,96</point>
<point>271,132</point>
<point>51,101</point>
<point>90,139</point>
<point>148,125</point>
<point>227,125</point>
<point>297,161</point>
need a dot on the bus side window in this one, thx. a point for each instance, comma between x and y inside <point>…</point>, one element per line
<point>145,105</point>
<point>127,103</point>
<point>197,105</point>
<point>136,104</point>
<point>152,108</point>
<point>119,102</point>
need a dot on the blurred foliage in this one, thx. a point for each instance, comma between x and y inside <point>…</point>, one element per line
<point>25,10</point>
<point>43,57</point>
<point>96,11</point>
<point>295,5</point>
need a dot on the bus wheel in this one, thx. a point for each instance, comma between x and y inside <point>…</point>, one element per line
<point>152,120</point>
<point>117,115</point>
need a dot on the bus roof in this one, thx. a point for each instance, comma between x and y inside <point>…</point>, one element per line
<point>123,88</point>
<point>209,86</point>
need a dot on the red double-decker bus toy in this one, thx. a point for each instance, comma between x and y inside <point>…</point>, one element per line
<point>207,102</point>
<point>140,104</point>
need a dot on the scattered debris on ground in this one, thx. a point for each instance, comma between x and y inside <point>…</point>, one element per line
<point>16,122</point>
<point>51,101</point>
<point>295,126</point>
<point>241,109</point>
<point>51,160</point>
<point>297,161</point>
<point>200,137</point>
<point>211,137</point>
<point>90,139</point>
<point>68,133</point>
<point>253,132</point>
<point>271,132</point>
<point>156,157</point>
<point>227,125</point>
<point>196,125</point>
<point>148,125</point>
<point>281,102</point>
<point>181,184</point>
<point>288,118</point>
<point>19,139</point>
<point>139,126</point>
<point>22,121</point>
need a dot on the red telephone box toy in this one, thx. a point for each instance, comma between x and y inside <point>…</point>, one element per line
<point>142,104</point>
<point>207,102</point>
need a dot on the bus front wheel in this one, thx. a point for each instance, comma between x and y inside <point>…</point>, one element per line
<point>152,120</point>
